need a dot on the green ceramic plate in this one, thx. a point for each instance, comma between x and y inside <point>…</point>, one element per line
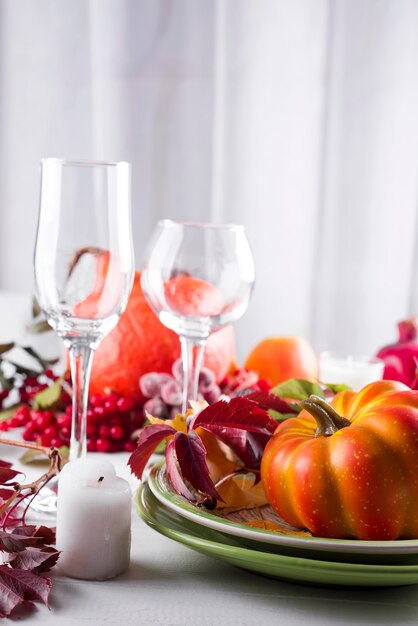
<point>350,550</point>
<point>296,569</point>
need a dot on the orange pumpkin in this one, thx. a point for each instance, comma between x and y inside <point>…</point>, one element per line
<point>140,343</point>
<point>350,469</point>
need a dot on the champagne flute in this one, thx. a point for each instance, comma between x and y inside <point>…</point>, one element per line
<point>198,277</point>
<point>84,264</point>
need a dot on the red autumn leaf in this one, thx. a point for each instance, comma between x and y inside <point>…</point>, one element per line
<point>23,537</point>
<point>248,447</point>
<point>5,494</point>
<point>267,401</point>
<point>148,440</point>
<point>237,413</point>
<point>174,473</point>
<point>14,542</point>
<point>38,560</point>
<point>7,474</point>
<point>45,535</point>
<point>191,456</point>
<point>18,586</point>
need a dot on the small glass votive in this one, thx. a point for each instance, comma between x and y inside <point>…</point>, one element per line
<point>353,371</point>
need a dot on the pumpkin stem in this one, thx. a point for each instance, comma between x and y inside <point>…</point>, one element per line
<point>327,419</point>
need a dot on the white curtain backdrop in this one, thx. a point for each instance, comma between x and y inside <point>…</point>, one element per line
<point>298,118</point>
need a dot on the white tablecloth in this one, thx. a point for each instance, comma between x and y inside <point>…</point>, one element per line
<point>168,584</point>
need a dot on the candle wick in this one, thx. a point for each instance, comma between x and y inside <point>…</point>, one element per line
<point>100,479</point>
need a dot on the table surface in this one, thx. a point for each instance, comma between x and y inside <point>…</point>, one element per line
<point>168,584</point>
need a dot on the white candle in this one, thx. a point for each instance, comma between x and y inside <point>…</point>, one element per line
<point>356,372</point>
<point>93,520</point>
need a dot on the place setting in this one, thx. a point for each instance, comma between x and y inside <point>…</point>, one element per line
<point>294,466</point>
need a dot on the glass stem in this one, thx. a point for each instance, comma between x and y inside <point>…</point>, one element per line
<point>81,358</point>
<point>192,351</point>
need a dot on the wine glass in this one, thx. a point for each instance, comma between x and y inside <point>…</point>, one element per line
<point>198,277</point>
<point>84,264</point>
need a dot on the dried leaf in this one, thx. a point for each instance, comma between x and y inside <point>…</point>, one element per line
<point>239,493</point>
<point>148,440</point>
<point>191,457</point>
<point>248,447</point>
<point>263,517</point>
<point>36,309</point>
<point>5,347</point>
<point>38,327</point>
<point>18,586</point>
<point>220,459</point>
<point>178,423</point>
<point>197,406</point>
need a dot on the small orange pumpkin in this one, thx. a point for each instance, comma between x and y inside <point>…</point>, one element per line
<point>350,469</point>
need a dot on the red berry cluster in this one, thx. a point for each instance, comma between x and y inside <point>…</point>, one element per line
<point>111,419</point>
<point>32,385</point>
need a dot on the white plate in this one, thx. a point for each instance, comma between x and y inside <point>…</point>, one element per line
<point>347,549</point>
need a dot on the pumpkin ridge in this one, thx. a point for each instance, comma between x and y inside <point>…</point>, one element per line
<point>400,459</point>
<point>382,450</point>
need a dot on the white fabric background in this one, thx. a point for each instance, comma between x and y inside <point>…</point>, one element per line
<point>298,118</point>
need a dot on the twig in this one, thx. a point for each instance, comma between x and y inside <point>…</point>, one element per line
<point>25,444</point>
<point>35,486</point>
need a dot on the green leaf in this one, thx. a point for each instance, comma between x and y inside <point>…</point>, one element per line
<point>6,414</point>
<point>35,456</point>
<point>280,417</point>
<point>48,397</point>
<point>297,389</point>
<point>337,387</point>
